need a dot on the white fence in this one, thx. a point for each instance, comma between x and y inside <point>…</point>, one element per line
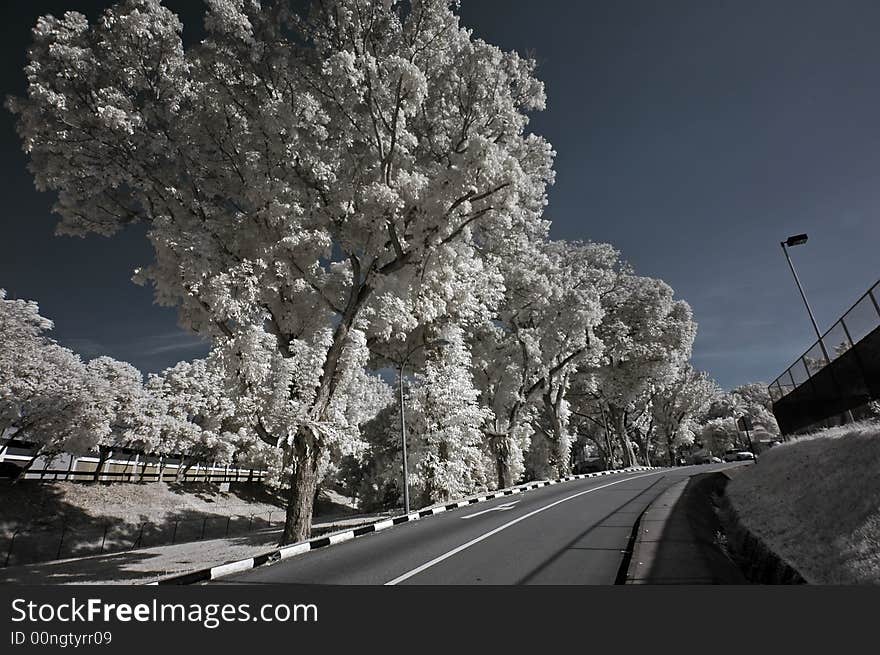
<point>132,467</point>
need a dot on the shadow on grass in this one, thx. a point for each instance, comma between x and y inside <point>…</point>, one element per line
<point>37,524</point>
<point>131,567</point>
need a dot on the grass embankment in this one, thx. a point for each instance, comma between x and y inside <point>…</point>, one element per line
<point>815,502</point>
<point>41,521</point>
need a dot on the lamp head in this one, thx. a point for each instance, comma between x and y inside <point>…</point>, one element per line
<point>796,240</point>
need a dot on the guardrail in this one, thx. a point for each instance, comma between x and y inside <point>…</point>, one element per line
<point>859,321</point>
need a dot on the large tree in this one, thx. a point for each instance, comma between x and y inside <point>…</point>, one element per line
<point>48,396</point>
<point>647,335</point>
<point>300,175</point>
<point>678,402</point>
<point>543,331</point>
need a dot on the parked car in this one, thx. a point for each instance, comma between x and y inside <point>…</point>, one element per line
<point>738,456</point>
<point>706,459</point>
<point>589,465</point>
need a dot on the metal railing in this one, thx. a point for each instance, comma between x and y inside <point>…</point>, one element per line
<point>859,321</point>
<point>127,467</point>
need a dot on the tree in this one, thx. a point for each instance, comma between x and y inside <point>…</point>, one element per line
<point>47,395</point>
<point>118,388</point>
<point>22,330</point>
<point>647,334</point>
<point>719,434</point>
<point>198,419</point>
<point>524,356</point>
<point>298,172</point>
<point>677,404</point>
<point>751,400</point>
<point>444,418</point>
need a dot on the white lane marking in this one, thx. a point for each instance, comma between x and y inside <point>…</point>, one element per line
<point>498,508</point>
<point>477,540</point>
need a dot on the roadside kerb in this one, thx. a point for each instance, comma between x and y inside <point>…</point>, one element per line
<point>285,552</point>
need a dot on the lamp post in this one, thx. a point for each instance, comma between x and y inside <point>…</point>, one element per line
<point>797,240</point>
<point>428,344</point>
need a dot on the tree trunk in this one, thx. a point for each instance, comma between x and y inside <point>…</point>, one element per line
<point>500,451</point>
<point>502,471</point>
<point>560,446</point>
<point>303,487</point>
<point>27,467</point>
<point>304,478</point>
<point>182,470</point>
<point>144,469</point>
<point>103,456</point>
<point>629,456</point>
<point>46,464</point>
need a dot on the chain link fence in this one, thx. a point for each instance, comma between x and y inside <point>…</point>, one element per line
<point>838,373</point>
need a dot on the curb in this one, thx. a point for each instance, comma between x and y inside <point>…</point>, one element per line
<point>285,552</point>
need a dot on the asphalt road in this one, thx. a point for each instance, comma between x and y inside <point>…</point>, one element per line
<point>573,532</point>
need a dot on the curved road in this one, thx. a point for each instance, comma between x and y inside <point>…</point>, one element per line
<point>573,532</point>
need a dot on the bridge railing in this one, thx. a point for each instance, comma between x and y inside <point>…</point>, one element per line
<point>859,321</point>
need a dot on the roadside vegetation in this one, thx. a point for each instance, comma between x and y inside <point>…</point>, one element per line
<point>333,196</point>
<point>815,502</point>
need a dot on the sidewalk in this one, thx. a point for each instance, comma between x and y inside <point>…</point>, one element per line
<point>679,539</point>
<point>149,564</point>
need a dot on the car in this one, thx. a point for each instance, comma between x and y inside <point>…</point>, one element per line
<point>738,456</point>
<point>706,459</point>
<point>589,465</point>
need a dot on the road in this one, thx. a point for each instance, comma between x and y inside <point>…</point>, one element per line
<point>573,532</point>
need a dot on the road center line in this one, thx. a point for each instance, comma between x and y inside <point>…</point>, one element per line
<point>477,540</point>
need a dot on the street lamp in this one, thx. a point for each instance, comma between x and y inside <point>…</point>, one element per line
<point>797,240</point>
<point>428,344</point>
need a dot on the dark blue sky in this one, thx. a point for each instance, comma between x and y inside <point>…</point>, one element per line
<point>694,135</point>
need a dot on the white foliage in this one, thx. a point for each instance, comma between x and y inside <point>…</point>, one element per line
<point>47,395</point>
<point>298,189</point>
<point>444,418</point>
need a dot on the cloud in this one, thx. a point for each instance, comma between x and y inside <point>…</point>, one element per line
<point>168,343</point>
<point>85,348</point>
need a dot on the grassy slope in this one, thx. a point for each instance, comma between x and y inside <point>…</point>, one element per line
<point>35,503</point>
<point>816,502</point>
